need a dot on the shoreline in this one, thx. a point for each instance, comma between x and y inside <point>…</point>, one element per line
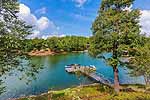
<point>49,91</point>
<point>48,52</point>
<point>125,87</point>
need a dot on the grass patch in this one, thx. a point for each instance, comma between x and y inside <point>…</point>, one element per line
<point>93,92</point>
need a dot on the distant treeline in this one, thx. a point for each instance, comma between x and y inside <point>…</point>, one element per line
<point>57,44</point>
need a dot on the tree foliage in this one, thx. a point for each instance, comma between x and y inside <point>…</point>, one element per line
<point>12,32</point>
<point>115,30</point>
<point>140,64</point>
<point>57,44</point>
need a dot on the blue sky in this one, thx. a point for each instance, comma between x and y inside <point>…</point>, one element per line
<point>66,17</point>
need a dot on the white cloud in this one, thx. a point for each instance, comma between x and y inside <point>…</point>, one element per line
<point>35,34</point>
<point>145,21</point>
<point>24,9</point>
<point>25,15</point>
<point>80,3</point>
<point>40,25</point>
<point>52,35</point>
<point>43,23</point>
<point>43,10</point>
<point>128,8</point>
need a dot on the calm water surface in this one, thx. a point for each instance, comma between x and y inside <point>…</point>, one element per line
<point>53,75</point>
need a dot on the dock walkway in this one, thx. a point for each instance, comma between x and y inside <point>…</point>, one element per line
<point>89,72</point>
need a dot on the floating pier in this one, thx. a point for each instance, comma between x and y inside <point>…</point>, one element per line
<point>89,71</point>
<point>78,68</point>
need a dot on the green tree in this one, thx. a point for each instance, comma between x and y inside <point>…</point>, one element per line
<point>115,30</point>
<point>53,43</point>
<point>140,63</point>
<point>12,33</point>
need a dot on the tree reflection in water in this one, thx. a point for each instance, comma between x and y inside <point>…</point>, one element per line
<point>24,69</point>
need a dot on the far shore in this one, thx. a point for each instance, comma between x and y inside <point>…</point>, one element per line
<point>48,52</point>
<point>41,52</point>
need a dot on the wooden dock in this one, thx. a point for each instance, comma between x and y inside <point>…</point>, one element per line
<point>78,68</point>
<point>89,72</point>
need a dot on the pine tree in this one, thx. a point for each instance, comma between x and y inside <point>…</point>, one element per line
<point>140,63</point>
<point>12,33</point>
<point>115,30</point>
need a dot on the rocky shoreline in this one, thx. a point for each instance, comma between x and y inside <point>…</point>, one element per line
<point>41,52</point>
<point>48,52</point>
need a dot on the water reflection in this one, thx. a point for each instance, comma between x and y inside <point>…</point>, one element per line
<point>25,70</point>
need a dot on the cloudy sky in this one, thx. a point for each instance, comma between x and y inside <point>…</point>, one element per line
<point>69,17</point>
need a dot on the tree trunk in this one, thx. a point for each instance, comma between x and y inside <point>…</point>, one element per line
<point>50,94</point>
<point>116,80</point>
<point>146,80</point>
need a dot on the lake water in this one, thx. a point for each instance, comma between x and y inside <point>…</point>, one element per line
<point>53,76</point>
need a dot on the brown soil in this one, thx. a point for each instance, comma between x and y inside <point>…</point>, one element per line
<point>41,52</point>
